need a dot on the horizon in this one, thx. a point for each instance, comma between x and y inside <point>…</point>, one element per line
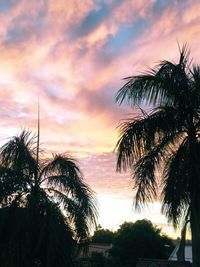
<point>74,56</point>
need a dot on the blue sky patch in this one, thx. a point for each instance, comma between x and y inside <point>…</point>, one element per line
<point>120,42</point>
<point>6,5</point>
<point>91,21</point>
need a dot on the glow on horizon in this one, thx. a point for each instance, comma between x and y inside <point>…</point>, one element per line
<point>114,211</point>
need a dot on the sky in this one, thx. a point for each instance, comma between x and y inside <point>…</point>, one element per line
<point>73,56</point>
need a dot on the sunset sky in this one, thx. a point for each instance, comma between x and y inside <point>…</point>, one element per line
<point>73,55</point>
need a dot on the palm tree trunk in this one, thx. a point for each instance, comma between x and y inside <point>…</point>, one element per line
<point>195,229</point>
<point>195,199</point>
<point>181,250</point>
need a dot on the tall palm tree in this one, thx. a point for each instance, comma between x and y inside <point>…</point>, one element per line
<point>45,206</point>
<point>166,140</point>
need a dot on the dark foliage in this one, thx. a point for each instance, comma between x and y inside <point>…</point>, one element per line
<point>45,207</point>
<point>103,236</point>
<point>165,143</point>
<point>139,240</point>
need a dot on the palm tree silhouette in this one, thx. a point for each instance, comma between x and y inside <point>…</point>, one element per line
<point>165,140</point>
<point>45,205</point>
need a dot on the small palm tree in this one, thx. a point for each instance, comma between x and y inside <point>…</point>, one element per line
<point>45,205</point>
<point>165,140</point>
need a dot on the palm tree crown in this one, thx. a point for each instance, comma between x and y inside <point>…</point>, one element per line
<point>60,206</point>
<point>165,140</point>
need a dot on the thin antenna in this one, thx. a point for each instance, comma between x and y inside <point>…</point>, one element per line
<point>38,136</point>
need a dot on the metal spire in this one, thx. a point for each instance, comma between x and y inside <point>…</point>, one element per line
<point>38,136</point>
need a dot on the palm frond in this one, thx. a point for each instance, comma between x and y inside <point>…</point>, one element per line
<point>64,175</point>
<point>140,136</point>
<point>160,85</point>
<point>19,153</point>
<point>61,165</point>
<point>195,89</point>
<point>176,184</point>
<point>13,186</point>
<point>146,168</point>
<point>80,217</point>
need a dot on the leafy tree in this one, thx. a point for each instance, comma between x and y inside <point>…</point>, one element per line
<point>102,236</point>
<point>44,206</point>
<point>166,138</point>
<point>139,240</point>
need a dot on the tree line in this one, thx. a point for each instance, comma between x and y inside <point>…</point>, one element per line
<point>130,242</point>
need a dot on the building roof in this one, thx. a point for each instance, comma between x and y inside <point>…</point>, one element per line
<point>96,248</point>
<point>161,263</point>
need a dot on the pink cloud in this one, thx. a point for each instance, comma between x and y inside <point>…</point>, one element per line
<point>129,10</point>
<point>72,77</point>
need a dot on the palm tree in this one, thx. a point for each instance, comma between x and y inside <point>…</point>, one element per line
<point>165,140</point>
<point>45,205</point>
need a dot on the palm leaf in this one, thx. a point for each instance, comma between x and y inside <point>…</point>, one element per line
<point>176,188</point>
<point>160,85</point>
<point>19,153</point>
<point>13,186</point>
<point>146,169</point>
<point>80,218</point>
<point>141,135</point>
<point>63,175</point>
